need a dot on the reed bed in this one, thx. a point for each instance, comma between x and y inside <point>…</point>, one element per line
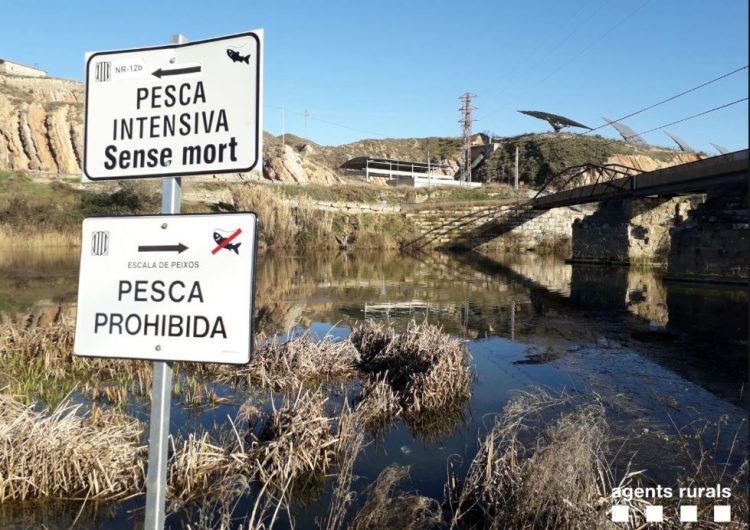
<point>199,466</point>
<point>39,238</point>
<point>425,367</point>
<point>284,365</point>
<point>296,441</point>
<point>542,466</point>
<point>38,363</point>
<point>351,437</point>
<point>378,405</point>
<point>61,454</point>
<point>386,508</point>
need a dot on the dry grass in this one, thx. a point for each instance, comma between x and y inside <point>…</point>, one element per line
<point>385,508</point>
<point>351,437</point>
<point>10,239</point>
<point>283,365</point>
<point>38,363</point>
<point>542,466</point>
<point>425,367</point>
<point>378,405</point>
<point>61,454</point>
<point>283,226</point>
<point>296,441</point>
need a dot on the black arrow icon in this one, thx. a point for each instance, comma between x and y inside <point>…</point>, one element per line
<point>176,71</point>
<point>179,248</point>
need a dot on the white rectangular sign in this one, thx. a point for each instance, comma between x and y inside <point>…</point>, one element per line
<point>167,287</point>
<point>176,110</point>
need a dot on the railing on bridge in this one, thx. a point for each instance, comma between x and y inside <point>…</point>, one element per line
<point>586,174</point>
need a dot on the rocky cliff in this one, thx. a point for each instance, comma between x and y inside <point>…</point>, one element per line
<point>41,124</point>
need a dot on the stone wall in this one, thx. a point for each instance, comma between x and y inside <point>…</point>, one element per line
<point>629,231</point>
<point>492,229</point>
<point>530,230</point>
<point>715,239</point>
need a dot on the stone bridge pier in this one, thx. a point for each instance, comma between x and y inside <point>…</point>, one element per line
<point>714,241</point>
<point>629,231</point>
<point>698,237</point>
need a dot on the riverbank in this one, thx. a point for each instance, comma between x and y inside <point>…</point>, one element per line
<point>360,215</point>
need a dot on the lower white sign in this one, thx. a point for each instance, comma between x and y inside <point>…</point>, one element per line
<point>167,287</point>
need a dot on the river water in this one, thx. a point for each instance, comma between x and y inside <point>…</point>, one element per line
<point>670,353</point>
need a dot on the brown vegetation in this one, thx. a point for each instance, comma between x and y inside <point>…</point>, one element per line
<point>62,454</point>
<point>546,465</point>
<point>425,367</point>
<point>281,365</point>
<point>385,508</point>
<point>281,225</point>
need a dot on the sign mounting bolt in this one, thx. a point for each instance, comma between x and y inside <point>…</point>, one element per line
<point>164,226</point>
<point>158,347</point>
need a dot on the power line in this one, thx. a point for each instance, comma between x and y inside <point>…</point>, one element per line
<point>550,50</point>
<point>672,98</point>
<point>589,45</point>
<point>309,116</point>
<point>653,105</point>
<point>596,41</point>
<point>695,115</point>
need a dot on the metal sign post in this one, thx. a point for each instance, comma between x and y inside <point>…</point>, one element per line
<point>170,111</point>
<point>161,390</point>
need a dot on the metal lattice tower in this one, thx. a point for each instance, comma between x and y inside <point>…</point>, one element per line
<point>465,122</point>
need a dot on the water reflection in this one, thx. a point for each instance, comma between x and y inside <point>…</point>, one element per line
<point>531,320</point>
<point>470,295</point>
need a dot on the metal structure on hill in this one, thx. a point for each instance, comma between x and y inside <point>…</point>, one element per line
<point>682,144</point>
<point>556,121</point>
<point>628,134</point>
<point>465,122</point>
<point>721,149</point>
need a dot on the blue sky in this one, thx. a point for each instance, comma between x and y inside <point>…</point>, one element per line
<point>396,69</point>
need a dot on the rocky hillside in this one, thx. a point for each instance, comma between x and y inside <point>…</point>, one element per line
<point>41,124</point>
<point>41,130</point>
<point>541,156</point>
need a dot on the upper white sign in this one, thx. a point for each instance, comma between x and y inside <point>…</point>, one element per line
<point>167,287</point>
<point>176,110</point>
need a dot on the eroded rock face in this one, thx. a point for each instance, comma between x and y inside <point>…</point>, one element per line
<point>286,164</point>
<point>40,124</point>
<point>41,130</point>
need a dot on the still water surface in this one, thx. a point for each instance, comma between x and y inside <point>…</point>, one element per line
<point>667,352</point>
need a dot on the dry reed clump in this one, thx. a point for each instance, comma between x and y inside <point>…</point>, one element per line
<point>385,508</point>
<point>198,466</point>
<point>38,363</point>
<point>295,443</point>
<point>60,454</point>
<point>284,365</point>
<point>284,225</point>
<point>543,465</point>
<point>427,368</point>
<point>351,437</point>
<point>378,405</point>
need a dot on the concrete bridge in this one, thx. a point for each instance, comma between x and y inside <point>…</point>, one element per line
<point>693,218</point>
<point>700,176</point>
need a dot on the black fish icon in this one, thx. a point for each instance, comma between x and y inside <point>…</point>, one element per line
<point>229,246</point>
<point>237,58</point>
